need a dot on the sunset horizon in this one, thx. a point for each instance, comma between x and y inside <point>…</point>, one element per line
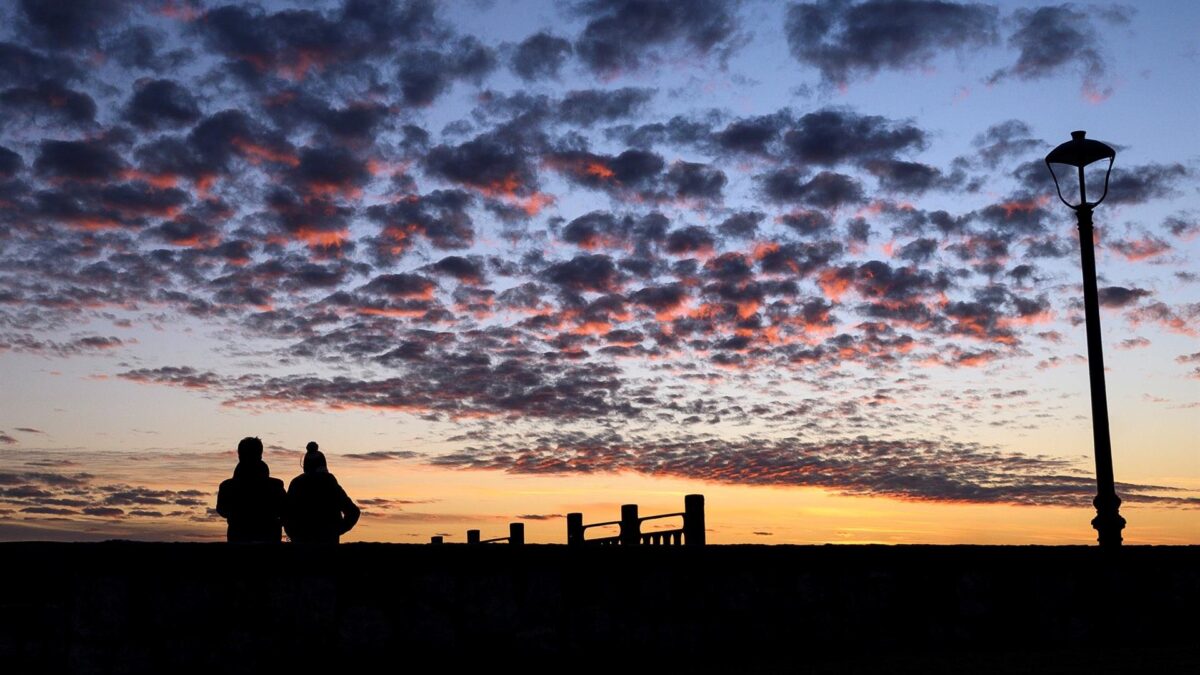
<point>510,261</point>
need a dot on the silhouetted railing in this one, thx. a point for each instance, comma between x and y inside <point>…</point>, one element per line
<point>516,536</point>
<point>691,534</point>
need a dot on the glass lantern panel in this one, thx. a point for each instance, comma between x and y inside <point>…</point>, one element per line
<point>1093,176</point>
<point>1068,182</point>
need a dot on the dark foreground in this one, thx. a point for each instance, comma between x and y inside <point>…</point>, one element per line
<point>126,607</point>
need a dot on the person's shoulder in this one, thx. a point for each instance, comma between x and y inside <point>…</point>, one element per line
<point>275,481</point>
<point>227,483</point>
<point>337,488</point>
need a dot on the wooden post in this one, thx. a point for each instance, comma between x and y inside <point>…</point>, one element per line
<point>630,525</point>
<point>437,539</point>
<point>516,533</point>
<point>472,536</point>
<point>574,529</point>
<point>693,520</point>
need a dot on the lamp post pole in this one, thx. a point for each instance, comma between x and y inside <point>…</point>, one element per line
<point>1079,152</point>
<point>1108,521</point>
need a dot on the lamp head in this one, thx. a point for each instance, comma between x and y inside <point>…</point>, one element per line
<point>1079,152</point>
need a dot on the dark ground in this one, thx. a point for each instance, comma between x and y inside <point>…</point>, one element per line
<point>216,608</point>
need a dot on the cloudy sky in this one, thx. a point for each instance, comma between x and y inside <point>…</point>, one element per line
<point>508,260</point>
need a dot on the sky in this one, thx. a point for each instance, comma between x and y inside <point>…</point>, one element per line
<point>510,260</point>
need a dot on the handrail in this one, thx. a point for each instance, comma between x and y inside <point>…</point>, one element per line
<point>611,522</point>
<point>692,533</point>
<point>516,536</point>
<point>664,515</point>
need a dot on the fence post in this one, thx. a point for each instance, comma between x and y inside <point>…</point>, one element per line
<point>630,525</point>
<point>574,529</point>
<point>437,539</point>
<point>516,533</point>
<point>472,536</point>
<point>693,520</point>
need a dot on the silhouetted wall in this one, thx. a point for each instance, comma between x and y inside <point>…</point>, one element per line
<point>125,607</point>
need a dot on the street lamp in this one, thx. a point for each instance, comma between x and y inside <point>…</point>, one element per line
<point>1080,152</point>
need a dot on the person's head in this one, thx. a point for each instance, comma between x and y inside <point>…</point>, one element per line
<point>250,448</point>
<point>314,459</point>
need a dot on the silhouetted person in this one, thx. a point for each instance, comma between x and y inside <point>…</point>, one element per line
<point>252,501</point>
<point>318,509</point>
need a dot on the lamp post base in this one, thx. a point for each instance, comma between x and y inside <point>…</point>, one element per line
<point>1108,521</point>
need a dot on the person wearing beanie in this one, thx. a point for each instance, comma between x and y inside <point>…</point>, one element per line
<point>252,502</point>
<point>318,509</point>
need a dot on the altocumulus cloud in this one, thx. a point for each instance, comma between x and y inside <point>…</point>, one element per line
<point>904,469</point>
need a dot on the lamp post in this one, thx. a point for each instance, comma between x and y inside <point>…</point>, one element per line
<point>1078,153</point>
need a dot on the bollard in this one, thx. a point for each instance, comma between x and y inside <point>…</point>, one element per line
<point>472,536</point>
<point>693,520</point>
<point>437,539</point>
<point>630,525</point>
<point>574,529</point>
<point>516,533</point>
